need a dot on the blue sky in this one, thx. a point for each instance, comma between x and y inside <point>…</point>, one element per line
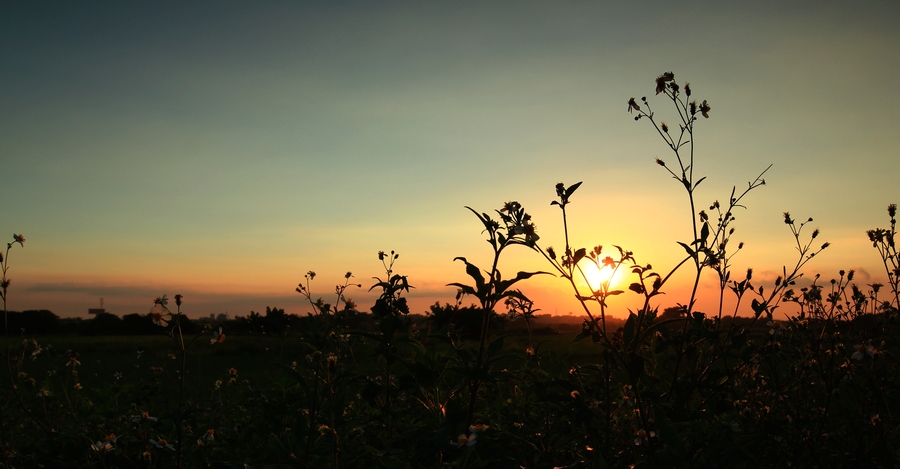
<point>222,149</point>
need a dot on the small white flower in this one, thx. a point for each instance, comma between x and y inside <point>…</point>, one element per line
<point>863,351</point>
<point>217,338</point>
<point>464,440</point>
<point>162,444</point>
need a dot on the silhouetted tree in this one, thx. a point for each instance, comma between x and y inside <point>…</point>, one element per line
<point>137,324</point>
<point>102,324</point>
<point>276,321</point>
<point>674,312</point>
<point>33,322</point>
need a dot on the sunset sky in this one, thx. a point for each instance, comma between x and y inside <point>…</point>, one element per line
<point>223,149</point>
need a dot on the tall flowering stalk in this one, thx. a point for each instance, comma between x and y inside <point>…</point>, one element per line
<point>4,289</point>
<point>514,228</point>
<point>710,245</point>
<point>323,335</point>
<point>392,314</point>
<point>4,283</point>
<point>162,316</point>
<point>884,241</point>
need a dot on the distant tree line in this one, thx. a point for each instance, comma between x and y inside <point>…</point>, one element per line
<point>465,320</point>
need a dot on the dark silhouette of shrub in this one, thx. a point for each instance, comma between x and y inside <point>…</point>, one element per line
<point>33,322</point>
<point>102,324</point>
<point>137,324</point>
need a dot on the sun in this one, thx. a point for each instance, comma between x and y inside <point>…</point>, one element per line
<point>603,276</point>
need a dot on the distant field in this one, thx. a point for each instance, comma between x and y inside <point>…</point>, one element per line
<point>259,359</point>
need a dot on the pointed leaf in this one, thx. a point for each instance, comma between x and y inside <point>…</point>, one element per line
<point>502,286</point>
<point>689,250</point>
<point>465,288</point>
<point>473,272</point>
<point>579,254</point>
<point>571,189</point>
<point>628,329</point>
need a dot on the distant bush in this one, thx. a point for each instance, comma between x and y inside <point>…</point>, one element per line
<point>33,322</point>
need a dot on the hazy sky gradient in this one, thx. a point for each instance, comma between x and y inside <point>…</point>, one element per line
<point>222,149</point>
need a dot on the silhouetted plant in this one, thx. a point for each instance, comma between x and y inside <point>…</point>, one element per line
<point>883,240</point>
<point>514,228</point>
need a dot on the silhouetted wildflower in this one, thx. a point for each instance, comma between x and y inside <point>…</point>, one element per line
<point>662,80</point>
<point>217,338</point>
<point>633,106</point>
<point>705,108</point>
<point>160,315</point>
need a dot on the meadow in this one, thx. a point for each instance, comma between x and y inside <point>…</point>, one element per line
<point>462,389</point>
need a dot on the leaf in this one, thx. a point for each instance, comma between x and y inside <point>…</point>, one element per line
<point>485,219</point>
<point>579,254</point>
<point>571,189</point>
<point>699,181</point>
<point>473,272</point>
<point>689,250</point>
<point>467,290</point>
<point>704,233</point>
<point>502,286</point>
<point>628,329</point>
<point>517,294</point>
<point>758,307</point>
<point>384,285</point>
